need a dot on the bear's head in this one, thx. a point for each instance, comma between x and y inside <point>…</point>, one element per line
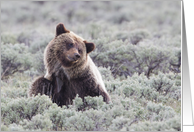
<point>70,48</point>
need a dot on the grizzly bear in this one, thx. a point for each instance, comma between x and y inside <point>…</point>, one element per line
<point>69,70</point>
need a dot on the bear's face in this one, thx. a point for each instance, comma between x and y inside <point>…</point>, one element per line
<point>71,49</point>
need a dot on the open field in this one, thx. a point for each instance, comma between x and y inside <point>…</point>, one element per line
<point>138,52</point>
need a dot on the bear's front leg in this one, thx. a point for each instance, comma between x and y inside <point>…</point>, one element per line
<point>42,86</point>
<point>100,91</point>
<point>105,95</point>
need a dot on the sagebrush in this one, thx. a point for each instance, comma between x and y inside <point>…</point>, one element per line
<point>138,53</point>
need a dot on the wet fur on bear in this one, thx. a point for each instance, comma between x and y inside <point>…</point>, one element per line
<point>70,70</point>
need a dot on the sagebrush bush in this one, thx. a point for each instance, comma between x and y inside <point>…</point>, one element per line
<point>38,122</point>
<point>24,108</point>
<point>8,37</point>
<point>90,114</point>
<point>14,58</point>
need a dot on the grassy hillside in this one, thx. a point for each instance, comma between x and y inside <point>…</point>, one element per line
<point>138,52</point>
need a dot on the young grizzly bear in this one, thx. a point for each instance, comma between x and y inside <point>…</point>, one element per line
<point>70,70</point>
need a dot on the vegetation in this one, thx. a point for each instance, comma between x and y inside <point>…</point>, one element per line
<point>138,52</point>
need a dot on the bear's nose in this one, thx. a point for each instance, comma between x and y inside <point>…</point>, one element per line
<point>77,55</point>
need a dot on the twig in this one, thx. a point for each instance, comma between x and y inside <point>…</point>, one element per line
<point>136,119</point>
<point>5,71</point>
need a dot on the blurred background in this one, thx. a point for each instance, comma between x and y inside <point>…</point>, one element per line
<point>138,52</point>
<point>31,25</point>
<point>155,16</point>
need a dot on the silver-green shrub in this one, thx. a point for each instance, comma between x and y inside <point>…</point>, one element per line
<point>24,108</point>
<point>14,58</point>
<point>138,56</point>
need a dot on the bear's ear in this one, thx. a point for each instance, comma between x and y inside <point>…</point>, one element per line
<point>61,29</point>
<point>89,46</point>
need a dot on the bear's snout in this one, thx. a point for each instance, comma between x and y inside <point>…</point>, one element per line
<point>74,57</point>
<point>77,55</point>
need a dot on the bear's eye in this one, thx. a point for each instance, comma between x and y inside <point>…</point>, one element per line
<point>71,45</point>
<point>79,51</point>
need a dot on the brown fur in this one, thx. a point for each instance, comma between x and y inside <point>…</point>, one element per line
<point>69,69</point>
<point>42,86</point>
<point>61,29</point>
<point>57,53</point>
